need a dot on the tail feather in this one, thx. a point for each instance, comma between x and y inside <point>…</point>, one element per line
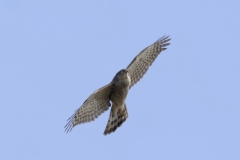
<point>116,119</point>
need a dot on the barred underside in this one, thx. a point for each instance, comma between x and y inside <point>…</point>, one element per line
<point>140,64</point>
<point>96,104</point>
<point>116,119</point>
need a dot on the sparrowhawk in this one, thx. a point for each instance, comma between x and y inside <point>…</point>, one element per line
<point>116,91</point>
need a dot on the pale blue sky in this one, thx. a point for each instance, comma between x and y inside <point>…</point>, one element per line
<point>54,54</point>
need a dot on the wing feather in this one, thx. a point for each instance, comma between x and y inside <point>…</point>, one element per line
<point>140,64</point>
<point>96,104</point>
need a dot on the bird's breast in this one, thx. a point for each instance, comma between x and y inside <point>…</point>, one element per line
<point>120,91</point>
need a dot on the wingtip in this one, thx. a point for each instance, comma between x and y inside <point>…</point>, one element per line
<point>163,42</point>
<point>69,126</point>
<point>165,38</point>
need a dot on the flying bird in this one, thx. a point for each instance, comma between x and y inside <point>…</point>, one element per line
<point>116,91</point>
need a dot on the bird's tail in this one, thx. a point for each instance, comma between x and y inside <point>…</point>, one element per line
<point>116,119</point>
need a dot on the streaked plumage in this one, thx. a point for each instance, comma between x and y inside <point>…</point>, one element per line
<point>116,91</point>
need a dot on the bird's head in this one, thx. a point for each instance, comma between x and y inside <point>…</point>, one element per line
<point>122,75</point>
<point>122,72</point>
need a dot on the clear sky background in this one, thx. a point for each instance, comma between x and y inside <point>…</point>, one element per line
<point>54,54</point>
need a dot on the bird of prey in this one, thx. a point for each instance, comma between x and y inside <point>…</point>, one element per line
<point>116,91</point>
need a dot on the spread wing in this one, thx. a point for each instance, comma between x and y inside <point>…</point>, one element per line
<point>96,104</point>
<point>140,64</point>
